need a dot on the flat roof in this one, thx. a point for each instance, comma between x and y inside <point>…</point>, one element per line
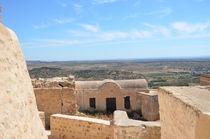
<point>197,97</point>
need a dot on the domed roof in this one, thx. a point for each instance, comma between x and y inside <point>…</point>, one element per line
<point>136,83</point>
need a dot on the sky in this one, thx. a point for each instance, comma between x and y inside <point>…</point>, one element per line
<point>62,30</point>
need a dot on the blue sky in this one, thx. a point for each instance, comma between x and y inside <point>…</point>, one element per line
<point>109,29</point>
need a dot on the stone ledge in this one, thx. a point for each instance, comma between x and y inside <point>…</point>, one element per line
<point>197,97</point>
<point>99,121</point>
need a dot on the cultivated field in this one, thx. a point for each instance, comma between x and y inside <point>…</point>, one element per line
<point>167,72</point>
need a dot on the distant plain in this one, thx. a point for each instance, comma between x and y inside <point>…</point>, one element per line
<point>158,72</point>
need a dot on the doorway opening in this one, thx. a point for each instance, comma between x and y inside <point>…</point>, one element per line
<point>110,105</point>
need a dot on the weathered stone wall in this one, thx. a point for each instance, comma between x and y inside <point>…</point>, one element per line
<point>19,117</point>
<point>75,127</point>
<point>55,100</point>
<point>123,132</point>
<point>183,112</point>
<point>149,105</point>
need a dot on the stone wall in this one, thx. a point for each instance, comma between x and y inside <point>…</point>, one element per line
<point>55,100</point>
<point>149,105</point>
<point>75,127</point>
<point>19,117</point>
<point>184,112</point>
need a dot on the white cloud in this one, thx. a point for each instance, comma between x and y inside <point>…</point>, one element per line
<point>89,27</point>
<point>78,8</point>
<point>184,27</point>
<point>63,20</point>
<point>114,35</point>
<point>162,12</point>
<point>103,1</point>
<point>159,29</point>
<point>39,43</point>
<point>140,34</point>
<point>40,26</point>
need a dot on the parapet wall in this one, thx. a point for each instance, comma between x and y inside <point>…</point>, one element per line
<point>75,127</point>
<point>55,100</point>
<point>184,112</point>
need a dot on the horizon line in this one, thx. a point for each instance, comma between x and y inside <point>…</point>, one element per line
<point>127,59</point>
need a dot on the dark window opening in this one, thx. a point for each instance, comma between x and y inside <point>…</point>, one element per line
<point>127,104</point>
<point>110,105</point>
<point>92,102</point>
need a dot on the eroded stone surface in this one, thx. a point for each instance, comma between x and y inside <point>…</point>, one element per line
<point>54,82</point>
<point>19,117</point>
<point>184,112</point>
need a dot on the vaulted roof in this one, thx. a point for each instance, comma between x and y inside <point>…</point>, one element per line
<point>135,83</point>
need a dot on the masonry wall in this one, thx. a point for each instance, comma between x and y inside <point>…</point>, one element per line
<point>74,127</point>
<point>55,100</point>
<point>179,118</point>
<point>19,117</point>
<point>132,132</point>
<point>149,105</point>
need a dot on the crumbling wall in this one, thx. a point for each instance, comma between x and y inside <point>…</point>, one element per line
<point>19,117</point>
<point>55,100</point>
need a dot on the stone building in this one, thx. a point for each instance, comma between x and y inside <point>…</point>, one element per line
<point>109,95</point>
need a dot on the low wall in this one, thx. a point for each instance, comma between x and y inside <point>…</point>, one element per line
<point>75,127</point>
<point>55,100</point>
<point>184,112</point>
